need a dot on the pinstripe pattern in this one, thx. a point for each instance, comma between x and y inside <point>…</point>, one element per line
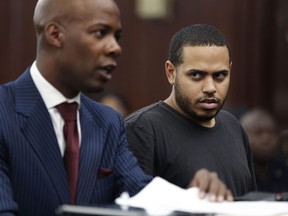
<point>31,163</point>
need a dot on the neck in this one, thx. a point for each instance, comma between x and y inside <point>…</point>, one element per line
<point>172,103</point>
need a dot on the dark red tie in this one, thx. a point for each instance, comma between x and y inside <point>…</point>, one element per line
<point>68,112</point>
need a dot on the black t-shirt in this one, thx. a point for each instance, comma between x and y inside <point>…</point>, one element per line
<point>169,145</point>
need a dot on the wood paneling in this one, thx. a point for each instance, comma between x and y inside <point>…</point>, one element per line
<point>17,37</point>
<point>256,30</point>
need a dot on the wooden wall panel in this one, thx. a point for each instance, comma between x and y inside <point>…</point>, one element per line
<point>256,30</point>
<point>247,24</point>
<point>4,51</point>
<point>280,58</point>
<point>145,45</point>
<point>18,38</point>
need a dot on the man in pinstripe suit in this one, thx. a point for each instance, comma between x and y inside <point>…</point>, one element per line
<point>77,47</point>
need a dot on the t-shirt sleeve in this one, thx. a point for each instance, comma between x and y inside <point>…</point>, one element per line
<point>141,143</point>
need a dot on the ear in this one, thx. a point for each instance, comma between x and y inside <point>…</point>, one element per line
<point>230,66</point>
<point>170,72</point>
<point>54,34</point>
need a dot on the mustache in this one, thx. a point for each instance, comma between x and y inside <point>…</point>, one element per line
<point>208,99</point>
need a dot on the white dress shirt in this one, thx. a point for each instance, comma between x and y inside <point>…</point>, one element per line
<point>52,97</point>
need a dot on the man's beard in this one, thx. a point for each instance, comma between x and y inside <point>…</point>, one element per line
<point>185,105</point>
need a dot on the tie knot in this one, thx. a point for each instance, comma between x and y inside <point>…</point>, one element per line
<point>68,111</point>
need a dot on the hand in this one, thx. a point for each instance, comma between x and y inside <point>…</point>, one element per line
<point>208,182</point>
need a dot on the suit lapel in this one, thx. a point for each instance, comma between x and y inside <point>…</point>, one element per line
<point>90,155</point>
<point>39,132</point>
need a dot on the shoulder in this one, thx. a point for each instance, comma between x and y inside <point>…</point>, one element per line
<point>98,111</point>
<point>93,105</point>
<point>226,116</point>
<point>231,123</point>
<point>144,114</point>
<point>145,119</point>
<point>7,92</point>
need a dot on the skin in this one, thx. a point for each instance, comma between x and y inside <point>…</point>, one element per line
<point>200,83</point>
<point>213,186</point>
<point>264,139</point>
<point>199,88</point>
<point>77,48</point>
<point>77,53</point>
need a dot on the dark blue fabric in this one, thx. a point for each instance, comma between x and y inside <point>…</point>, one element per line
<point>277,176</point>
<point>32,174</point>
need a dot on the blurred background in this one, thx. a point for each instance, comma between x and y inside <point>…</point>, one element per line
<point>257,31</point>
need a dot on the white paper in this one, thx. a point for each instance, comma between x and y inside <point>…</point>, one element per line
<point>160,197</point>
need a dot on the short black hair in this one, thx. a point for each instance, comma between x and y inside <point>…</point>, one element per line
<point>195,35</point>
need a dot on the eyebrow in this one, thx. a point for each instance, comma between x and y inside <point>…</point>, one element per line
<point>105,25</point>
<point>222,71</point>
<point>202,71</point>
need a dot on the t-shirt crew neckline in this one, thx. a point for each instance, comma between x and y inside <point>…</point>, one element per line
<point>188,120</point>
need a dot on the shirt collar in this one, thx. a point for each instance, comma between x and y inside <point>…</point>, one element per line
<point>50,95</point>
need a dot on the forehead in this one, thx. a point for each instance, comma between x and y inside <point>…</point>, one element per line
<point>258,121</point>
<point>209,54</point>
<point>210,59</point>
<point>263,122</point>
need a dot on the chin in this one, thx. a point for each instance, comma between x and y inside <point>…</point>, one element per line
<point>95,89</point>
<point>208,115</point>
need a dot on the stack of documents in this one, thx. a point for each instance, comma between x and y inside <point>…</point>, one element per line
<point>160,197</point>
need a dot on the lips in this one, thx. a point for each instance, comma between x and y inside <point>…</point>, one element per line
<point>106,71</point>
<point>208,103</point>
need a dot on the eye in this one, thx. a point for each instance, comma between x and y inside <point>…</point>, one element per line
<point>220,76</point>
<point>196,75</point>
<point>118,36</point>
<point>100,32</point>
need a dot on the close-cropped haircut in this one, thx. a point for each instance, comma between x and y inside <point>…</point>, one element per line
<point>195,35</point>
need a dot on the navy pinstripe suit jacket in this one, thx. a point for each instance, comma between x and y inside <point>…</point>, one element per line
<point>32,175</point>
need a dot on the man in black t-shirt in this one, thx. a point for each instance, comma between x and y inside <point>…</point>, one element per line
<point>188,131</point>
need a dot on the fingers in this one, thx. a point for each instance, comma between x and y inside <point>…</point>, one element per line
<point>217,190</point>
<point>209,183</point>
<point>222,193</point>
<point>201,180</point>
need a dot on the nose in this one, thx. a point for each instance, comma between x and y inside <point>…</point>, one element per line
<point>267,134</point>
<point>113,48</point>
<point>209,85</point>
